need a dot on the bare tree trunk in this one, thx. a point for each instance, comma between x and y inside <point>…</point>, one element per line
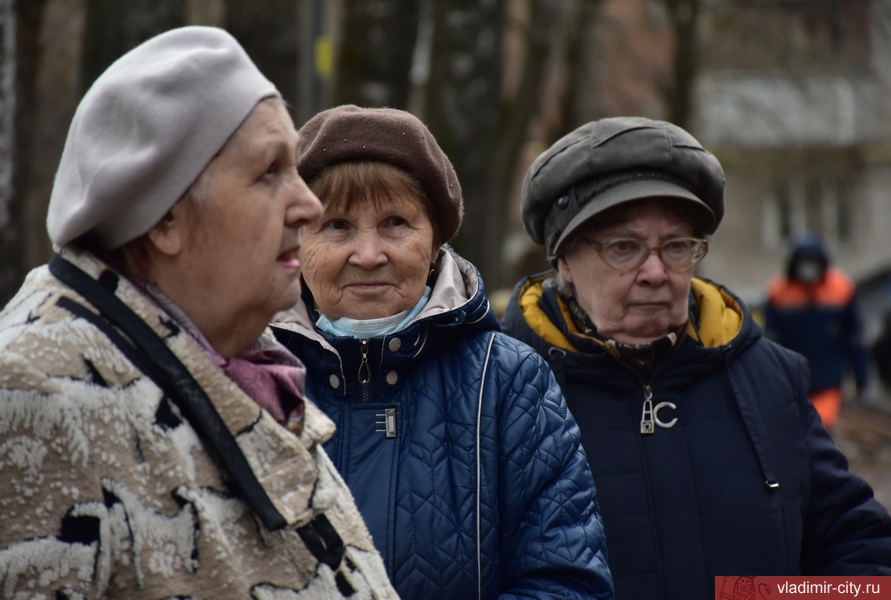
<point>516,113</point>
<point>462,110</point>
<point>114,27</point>
<point>10,271</point>
<point>684,17</point>
<point>269,30</point>
<point>19,28</point>
<point>578,98</point>
<point>375,54</point>
<point>57,93</point>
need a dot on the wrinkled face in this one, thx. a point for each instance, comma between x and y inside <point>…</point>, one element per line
<point>250,209</point>
<point>371,260</point>
<point>637,306</point>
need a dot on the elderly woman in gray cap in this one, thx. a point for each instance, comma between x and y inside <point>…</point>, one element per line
<point>454,439</point>
<point>155,438</point>
<point>708,457</point>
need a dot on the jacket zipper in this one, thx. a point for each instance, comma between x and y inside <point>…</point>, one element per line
<point>647,416</point>
<point>647,423</point>
<point>364,369</point>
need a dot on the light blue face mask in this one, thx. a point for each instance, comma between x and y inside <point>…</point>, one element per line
<point>364,329</point>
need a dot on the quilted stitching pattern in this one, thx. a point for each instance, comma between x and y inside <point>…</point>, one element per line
<point>540,532</point>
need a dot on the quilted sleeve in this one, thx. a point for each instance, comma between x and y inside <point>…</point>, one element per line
<point>552,540</point>
<point>846,531</point>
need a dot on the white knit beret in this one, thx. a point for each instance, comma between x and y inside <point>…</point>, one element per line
<point>146,129</point>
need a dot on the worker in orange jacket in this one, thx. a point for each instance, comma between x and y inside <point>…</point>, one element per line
<point>812,309</point>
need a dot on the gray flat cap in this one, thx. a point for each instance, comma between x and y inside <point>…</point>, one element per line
<point>611,161</point>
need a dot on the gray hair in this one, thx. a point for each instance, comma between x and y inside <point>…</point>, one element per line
<point>563,287</point>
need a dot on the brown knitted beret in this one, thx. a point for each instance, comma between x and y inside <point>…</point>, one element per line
<point>350,133</point>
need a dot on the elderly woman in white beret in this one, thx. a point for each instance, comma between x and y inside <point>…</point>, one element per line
<point>154,437</point>
<point>454,439</point>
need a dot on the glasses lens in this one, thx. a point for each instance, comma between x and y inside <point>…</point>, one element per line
<point>682,253</point>
<point>622,253</point>
<point>678,254</point>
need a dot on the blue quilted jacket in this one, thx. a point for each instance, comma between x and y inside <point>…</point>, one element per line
<point>460,451</point>
<point>738,475</point>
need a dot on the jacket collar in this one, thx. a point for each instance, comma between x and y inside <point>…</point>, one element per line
<point>457,297</point>
<point>719,320</point>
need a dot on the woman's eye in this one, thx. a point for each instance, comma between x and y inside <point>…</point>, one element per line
<point>624,246</point>
<point>336,224</point>
<point>396,221</point>
<point>677,246</point>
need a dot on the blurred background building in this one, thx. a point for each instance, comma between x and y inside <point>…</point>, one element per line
<point>796,108</point>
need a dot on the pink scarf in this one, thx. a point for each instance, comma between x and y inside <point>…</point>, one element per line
<point>267,372</point>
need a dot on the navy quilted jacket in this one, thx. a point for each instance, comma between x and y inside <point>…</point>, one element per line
<point>738,477</point>
<point>460,451</point>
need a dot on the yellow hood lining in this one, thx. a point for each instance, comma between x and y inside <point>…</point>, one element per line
<point>720,316</point>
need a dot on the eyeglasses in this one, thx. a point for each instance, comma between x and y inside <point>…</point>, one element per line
<point>628,254</point>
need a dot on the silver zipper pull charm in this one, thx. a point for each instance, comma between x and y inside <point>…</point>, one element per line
<point>647,424</point>
<point>364,369</point>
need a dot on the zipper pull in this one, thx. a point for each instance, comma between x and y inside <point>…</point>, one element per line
<point>364,369</point>
<point>647,423</point>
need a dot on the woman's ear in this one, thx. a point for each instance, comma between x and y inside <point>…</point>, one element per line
<point>168,234</point>
<point>564,270</point>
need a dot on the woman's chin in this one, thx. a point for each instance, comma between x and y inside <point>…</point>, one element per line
<point>642,335</point>
<point>288,298</point>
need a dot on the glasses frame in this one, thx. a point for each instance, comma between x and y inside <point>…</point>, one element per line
<point>599,245</point>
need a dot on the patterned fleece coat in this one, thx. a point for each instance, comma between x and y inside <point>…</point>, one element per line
<point>107,490</point>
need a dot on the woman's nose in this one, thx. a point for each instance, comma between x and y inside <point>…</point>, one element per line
<point>653,269</point>
<point>304,207</point>
<point>368,251</point>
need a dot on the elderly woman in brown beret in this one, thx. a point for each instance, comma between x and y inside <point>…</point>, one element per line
<point>454,439</point>
<point>154,438</point>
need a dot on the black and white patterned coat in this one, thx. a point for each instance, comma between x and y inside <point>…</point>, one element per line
<point>107,491</point>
